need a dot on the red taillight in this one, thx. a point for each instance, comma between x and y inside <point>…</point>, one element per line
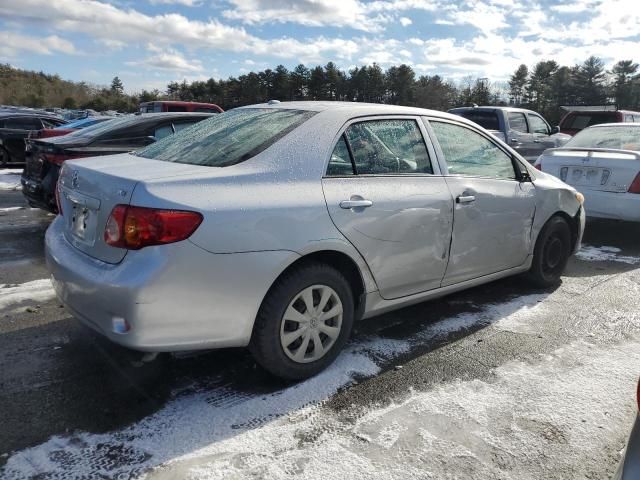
<point>138,227</point>
<point>635,185</point>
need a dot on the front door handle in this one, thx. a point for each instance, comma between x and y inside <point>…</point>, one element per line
<point>347,204</point>
<point>466,199</point>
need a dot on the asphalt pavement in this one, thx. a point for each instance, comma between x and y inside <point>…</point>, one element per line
<point>500,381</point>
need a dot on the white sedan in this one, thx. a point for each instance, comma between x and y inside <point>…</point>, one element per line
<point>602,162</point>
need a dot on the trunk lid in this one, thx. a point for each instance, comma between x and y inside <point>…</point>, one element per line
<point>600,169</point>
<point>90,188</point>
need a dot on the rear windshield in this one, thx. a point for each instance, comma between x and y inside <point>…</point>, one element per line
<point>583,120</point>
<point>228,138</point>
<point>622,138</point>
<point>488,120</point>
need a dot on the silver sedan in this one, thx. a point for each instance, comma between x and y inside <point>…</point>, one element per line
<point>276,226</point>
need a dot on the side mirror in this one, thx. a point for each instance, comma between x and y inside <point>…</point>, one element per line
<point>525,177</point>
<point>555,130</point>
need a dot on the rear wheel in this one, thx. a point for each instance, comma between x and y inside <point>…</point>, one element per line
<point>551,254</point>
<point>304,322</point>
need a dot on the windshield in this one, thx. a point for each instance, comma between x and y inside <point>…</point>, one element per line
<point>228,138</point>
<point>621,138</point>
<point>98,128</point>
<point>488,120</point>
<point>584,120</point>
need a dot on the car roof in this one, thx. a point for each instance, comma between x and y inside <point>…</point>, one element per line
<point>488,108</point>
<point>6,113</point>
<point>617,124</point>
<point>356,109</point>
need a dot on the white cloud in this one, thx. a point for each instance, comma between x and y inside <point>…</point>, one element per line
<point>314,13</point>
<point>171,61</point>
<point>405,22</point>
<point>185,3</point>
<point>11,44</point>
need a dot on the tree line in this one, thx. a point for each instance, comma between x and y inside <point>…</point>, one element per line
<point>543,87</point>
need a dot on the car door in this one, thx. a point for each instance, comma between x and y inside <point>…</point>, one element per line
<point>518,136</point>
<point>386,194</point>
<point>16,131</point>
<point>542,138</point>
<point>494,209</point>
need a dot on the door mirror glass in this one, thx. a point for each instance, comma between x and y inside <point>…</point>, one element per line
<point>469,153</point>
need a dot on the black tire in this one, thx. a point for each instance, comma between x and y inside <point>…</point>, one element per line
<point>266,344</point>
<point>551,253</point>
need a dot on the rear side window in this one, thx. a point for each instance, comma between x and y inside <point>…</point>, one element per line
<point>584,120</point>
<point>340,162</point>
<point>388,147</point>
<point>488,120</point>
<point>228,138</point>
<point>517,122</point>
<point>22,123</point>
<point>469,153</point>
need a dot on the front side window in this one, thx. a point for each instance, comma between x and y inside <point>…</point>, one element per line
<point>538,125</point>
<point>517,122</point>
<point>388,147</point>
<point>228,138</point>
<point>469,153</point>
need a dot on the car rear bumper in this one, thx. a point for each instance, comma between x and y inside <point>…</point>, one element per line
<point>629,468</point>
<point>616,206</point>
<point>174,297</point>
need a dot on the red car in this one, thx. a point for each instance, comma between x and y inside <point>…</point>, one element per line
<point>580,118</point>
<point>178,106</point>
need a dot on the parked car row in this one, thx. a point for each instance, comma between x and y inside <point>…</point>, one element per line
<point>15,128</point>
<point>123,134</point>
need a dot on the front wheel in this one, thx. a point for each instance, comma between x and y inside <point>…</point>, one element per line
<point>304,322</point>
<point>551,253</point>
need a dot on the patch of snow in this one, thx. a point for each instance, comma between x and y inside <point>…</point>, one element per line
<point>10,179</point>
<point>249,434</point>
<point>35,291</point>
<point>10,209</point>
<point>605,254</point>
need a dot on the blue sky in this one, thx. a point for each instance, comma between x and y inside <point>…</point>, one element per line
<point>148,43</point>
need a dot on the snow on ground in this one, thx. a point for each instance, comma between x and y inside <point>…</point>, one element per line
<point>190,423</point>
<point>605,254</point>
<point>221,433</point>
<point>36,291</point>
<point>10,179</point>
<point>10,209</point>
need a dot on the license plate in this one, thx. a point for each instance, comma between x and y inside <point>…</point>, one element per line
<point>585,176</point>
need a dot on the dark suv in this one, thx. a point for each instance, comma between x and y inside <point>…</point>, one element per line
<point>15,129</point>
<point>120,135</point>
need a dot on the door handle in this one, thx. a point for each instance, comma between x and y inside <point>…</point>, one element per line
<point>465,199</point>
<point>514,140</point>
<point>536,141</point>
<point>347,204</point>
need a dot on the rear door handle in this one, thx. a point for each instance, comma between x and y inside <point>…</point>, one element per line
<point>347,204</point>
<point>466,199</point>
